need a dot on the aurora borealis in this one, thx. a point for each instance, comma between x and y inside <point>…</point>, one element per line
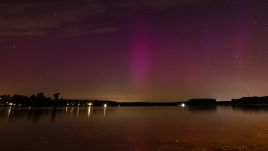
<point>142,50</point>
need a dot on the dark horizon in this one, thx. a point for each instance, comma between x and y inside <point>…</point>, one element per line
<point>41,100</point>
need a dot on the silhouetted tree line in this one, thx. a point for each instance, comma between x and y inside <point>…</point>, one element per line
<point>202,102</point>
<point>40,100</point>
<point>244,101</point>
<point>251,101</point>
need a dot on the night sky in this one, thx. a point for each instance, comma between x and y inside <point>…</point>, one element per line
<point>134,50</point>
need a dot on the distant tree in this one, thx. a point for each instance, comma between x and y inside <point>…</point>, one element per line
<point>56,96</point>
<point>5,98</point>
<point>40,96</point>
<point>19,99</point>
<point>2,100</point>
<point>33,97</point>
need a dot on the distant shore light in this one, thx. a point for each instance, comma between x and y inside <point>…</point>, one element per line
<point>89,104</point>
<point>105,105</point>
<point>183,105</point>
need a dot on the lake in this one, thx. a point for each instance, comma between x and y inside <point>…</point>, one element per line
<point>133,129</point>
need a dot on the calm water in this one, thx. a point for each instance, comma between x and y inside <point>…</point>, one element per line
<point>133,129</point>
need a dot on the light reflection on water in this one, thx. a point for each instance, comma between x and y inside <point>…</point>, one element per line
<point>89,111</point>
<point>134,128</point>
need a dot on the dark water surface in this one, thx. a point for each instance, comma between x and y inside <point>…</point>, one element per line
<point>133,129</point>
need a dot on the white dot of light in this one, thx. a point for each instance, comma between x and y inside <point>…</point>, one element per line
<point>183,105</point>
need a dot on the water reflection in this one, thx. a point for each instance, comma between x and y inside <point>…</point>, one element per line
<point>77,111</point>
<point>202,108</point>
<point>251,108</point>
<point>35,114</point>
<point>134,128</point>
<point>72,110</point>
<point>9,111</point>
<point>88,111</point>
<point>104,109</point>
